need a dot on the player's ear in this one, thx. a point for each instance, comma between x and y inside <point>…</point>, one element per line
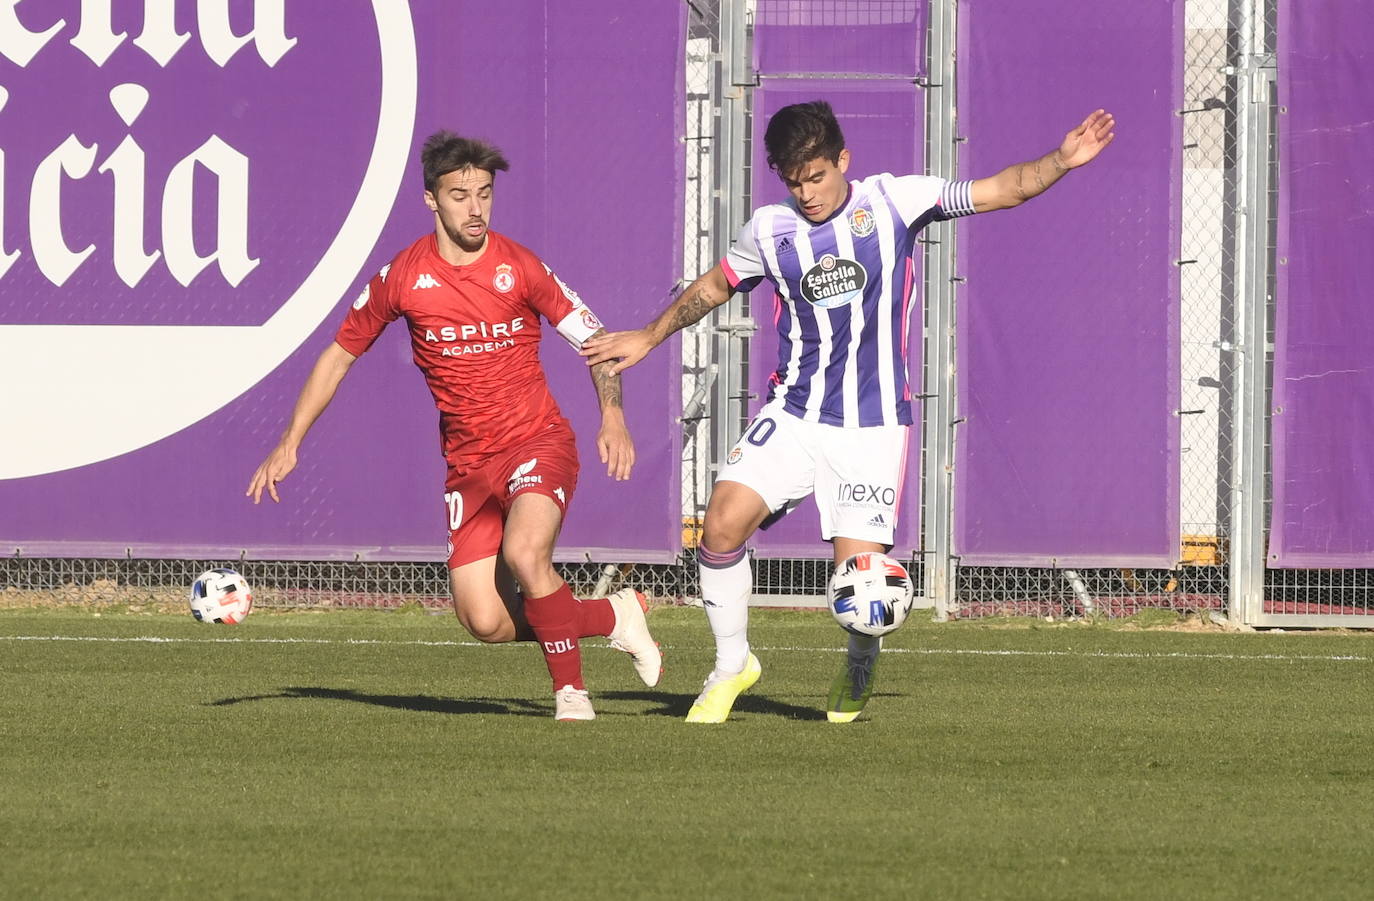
<point>431,202</point>
<point>843,161</point>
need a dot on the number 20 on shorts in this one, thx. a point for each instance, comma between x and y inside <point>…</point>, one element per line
<point>454,500</point>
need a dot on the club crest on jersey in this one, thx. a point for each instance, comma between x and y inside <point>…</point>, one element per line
<point>589,319</point>
<point>504,279</point>
<point>735,455</point>
<point>861,223</point>
<point>833,282</point>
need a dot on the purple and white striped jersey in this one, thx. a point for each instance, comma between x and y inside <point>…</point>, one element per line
<point>843,292</point>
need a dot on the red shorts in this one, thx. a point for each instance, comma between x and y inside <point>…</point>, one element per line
<point>477,498</point>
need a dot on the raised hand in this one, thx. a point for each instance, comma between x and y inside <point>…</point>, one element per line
<point>1084,143</point>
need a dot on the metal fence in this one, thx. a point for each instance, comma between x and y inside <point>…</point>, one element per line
<point>1229,115</point>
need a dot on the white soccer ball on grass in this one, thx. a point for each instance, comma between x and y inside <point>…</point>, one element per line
<point>221,596</point>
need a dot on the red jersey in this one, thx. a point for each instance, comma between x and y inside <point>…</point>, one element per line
<point>475,332</point>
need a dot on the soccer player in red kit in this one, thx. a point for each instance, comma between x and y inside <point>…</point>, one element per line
<point>473,299</point>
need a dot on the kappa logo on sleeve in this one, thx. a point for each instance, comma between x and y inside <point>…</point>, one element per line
<point>425,281</point>
<point>362,298</point>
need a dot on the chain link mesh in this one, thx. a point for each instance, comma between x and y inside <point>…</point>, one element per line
<point>294,584</point>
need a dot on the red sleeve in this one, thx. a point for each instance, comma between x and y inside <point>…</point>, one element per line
<point>561,306</point>
<point>371,312</point>
<point>547,294</point>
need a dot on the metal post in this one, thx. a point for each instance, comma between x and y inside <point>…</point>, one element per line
<point>732,324</point>
<point>939,401</point>
<point>1254,79</point>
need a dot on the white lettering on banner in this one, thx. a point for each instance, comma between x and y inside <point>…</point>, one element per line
<point>160,40</point>
<point>55,259</point>
<point>78,366</point>
<point>73,158</point>
<point>127,165</point>
<point>7,258</point>
<point>231,250</point>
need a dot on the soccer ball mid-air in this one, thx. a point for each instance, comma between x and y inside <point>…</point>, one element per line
<point>221,596</point>
<point>869,594</point>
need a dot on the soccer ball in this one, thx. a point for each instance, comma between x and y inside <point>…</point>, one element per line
<point>869,594</point>
<point>221,596</point>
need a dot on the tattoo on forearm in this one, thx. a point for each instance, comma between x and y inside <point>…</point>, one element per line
<point>691,310</point>
<point>607,385</point>
<point>1039,179</point>
<point>1020,189</point>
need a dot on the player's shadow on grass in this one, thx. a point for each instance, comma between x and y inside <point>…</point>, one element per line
<point>418,703</point>
<point>676,706</point>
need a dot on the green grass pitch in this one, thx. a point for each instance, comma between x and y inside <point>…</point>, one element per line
<point>380,755</point>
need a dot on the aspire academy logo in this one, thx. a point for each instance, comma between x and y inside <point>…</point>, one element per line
<point>161,204</point>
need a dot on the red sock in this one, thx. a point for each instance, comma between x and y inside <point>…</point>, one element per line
<point>555,620</point>
<point>595,616</point>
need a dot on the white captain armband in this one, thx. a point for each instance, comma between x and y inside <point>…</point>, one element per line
<point>578,326</point>
<point>956,199</point>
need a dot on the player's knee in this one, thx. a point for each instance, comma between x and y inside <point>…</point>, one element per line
<point>720,536</point>
<point>492,627</point>
<point>490,631</point>
<point>531,566</point>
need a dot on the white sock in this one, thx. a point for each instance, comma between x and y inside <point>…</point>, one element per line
<point>726,580</point>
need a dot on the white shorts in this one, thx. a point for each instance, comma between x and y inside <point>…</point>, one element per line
<point>856,474</point>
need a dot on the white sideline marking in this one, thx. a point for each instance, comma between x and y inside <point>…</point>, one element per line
<point>970,652</point>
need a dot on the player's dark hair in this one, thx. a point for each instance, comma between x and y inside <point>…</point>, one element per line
<point>800,133</point>
<point>446,152</point>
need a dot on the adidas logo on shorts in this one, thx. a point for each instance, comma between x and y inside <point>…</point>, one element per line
<point>878,522</point>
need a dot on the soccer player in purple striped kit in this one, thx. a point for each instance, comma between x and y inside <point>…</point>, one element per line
<point>838,415</point>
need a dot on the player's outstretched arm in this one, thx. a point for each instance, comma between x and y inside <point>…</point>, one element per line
<point>624,349</point>
<point>319,389</point>
<point>613,439</point>
<point>1017,184</point>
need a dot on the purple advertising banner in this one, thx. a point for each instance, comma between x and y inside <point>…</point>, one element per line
<point>1323,395</point>
<point>193,194</point>
<point>1067,452</point>
<point>840,36</point>
<point>881,121</point>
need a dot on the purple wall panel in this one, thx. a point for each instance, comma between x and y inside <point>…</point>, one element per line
<point>370,478</point>
<point>850,36</point>
<point>1067,325</point>
<point>882,127</point>
<point>1323,396</point>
